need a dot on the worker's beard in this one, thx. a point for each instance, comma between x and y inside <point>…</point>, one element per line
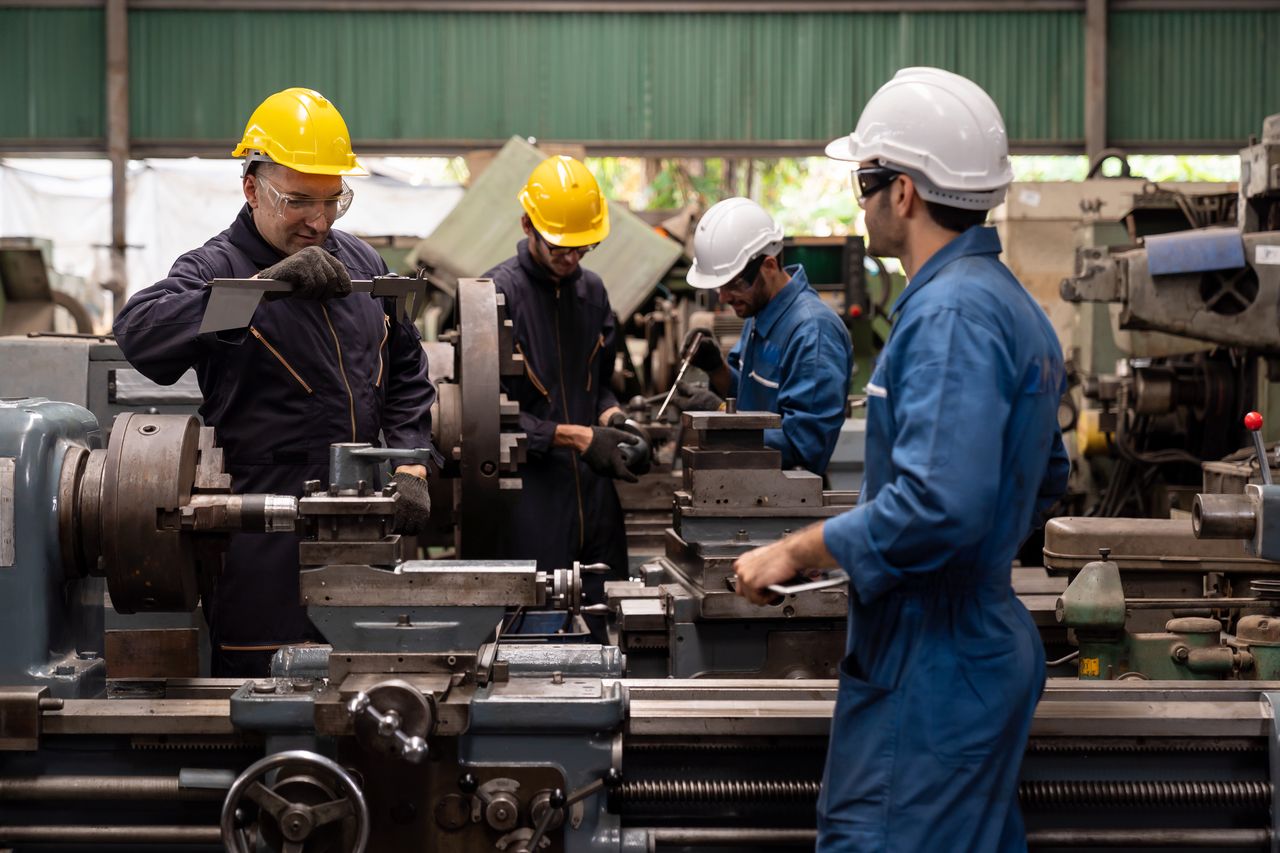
<point>886,231</point>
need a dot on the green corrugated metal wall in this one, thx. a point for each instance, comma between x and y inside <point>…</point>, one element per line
<point>51,74</point>
<point>1174,77</point>
<point>1192,75</point>
<point>679,77</point>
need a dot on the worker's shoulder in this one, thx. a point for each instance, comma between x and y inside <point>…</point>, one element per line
<point>360,259</point>
<point>809,317</point>
<point>506,274</point>
<point>978,288</point>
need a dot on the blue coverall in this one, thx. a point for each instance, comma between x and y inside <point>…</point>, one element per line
<point>566,332</point>
<point>944,665</point>
<point>304,375</point>
<point>795,358</point>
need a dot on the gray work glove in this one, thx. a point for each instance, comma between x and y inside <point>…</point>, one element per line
<point>413,503</point>
<point>706,356</point>
<point>695,398</point>
<point>314,274</point>
<point>604,455</point>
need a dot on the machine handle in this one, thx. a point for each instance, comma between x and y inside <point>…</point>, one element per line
<point>1253,423</point>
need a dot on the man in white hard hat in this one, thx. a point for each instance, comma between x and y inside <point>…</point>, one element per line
<point>794,356</point>
<point>943,666</point>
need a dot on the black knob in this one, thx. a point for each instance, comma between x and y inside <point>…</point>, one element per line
<point>468,783</point>
<point>1105,553</point>
<point>556,800</point>
<point>613,778</point>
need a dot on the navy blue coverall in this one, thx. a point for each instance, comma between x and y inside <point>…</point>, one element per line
<point>304,375</point>
<point>795,358</point>
<point>944,665</point>
<point>565,331</point>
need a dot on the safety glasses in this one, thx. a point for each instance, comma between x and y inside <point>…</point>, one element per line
<point>305,208</point>
<point>563,251</point>
<point>871,180</point>
<point>746,279</point>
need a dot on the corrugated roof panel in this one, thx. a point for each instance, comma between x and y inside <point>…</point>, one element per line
<point>52,74</point>
<point>1191,76</point>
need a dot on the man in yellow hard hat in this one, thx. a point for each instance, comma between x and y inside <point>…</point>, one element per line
<point>321,367</point>
<point>579,439</point>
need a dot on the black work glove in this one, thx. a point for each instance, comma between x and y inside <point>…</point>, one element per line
<point>314,274</point>
<point>604,454</point>
<point>695,398</point>
<point>413,503</point>
<point>706,356</point>
<point>638,457</point>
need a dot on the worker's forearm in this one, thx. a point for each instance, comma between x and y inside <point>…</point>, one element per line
<point>722,381</point>
<point>572,435</point>
<point>809,549</point>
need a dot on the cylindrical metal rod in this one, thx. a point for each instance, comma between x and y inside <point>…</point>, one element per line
<point>688,836</point>
<point>111,834</point>
<point>1223,517</point>
<point>101,788</point>
<point>1213,839</point>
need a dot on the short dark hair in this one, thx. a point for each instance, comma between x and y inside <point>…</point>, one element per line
<point>954,218</point>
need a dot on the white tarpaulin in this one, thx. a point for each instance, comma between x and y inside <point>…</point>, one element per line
<point>175,206</point>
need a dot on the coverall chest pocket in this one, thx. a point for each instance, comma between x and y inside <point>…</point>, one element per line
<point>877,391</point>
<point>765,375</point>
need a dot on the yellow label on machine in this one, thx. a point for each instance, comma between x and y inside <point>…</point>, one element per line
<point>1089,668</point>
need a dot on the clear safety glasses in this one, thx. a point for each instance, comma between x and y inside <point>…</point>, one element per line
<point>305,208</point>
<point>564,251</point>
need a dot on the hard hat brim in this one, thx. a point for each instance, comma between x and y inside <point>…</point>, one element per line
<point>705,281</point>
<point>841,149</point>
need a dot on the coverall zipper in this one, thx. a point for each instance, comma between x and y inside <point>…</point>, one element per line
<point>386,332</point>
<point>337,347</point>
<point>253,330</point>
<point>591,359</point>
<point>564,407</point>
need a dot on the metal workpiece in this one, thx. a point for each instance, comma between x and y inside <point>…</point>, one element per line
<point>232,301</point>
<point>312,798</point>
<point>232,513</point>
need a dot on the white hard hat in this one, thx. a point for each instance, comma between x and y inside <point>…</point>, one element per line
<point>728,236</point>
<point>939,127</point>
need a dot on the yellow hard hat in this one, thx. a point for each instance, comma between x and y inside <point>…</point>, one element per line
<point>301,129</point>
<point>565,204</point>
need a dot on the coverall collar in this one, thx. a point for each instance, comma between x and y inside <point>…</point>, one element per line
<point>978,240</point>
<point>537,272</point>
<point>246,237</point>
<point>782,300</point>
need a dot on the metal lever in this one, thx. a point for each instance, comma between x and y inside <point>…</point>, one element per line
<point>559,802</point>
<point>1253,423</point>
<point>684,365</point>
<point>825,580</point>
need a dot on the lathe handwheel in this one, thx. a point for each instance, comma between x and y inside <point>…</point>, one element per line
<point>295,822</point>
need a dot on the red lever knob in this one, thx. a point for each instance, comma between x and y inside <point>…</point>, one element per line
<point>1253,421</point>
<point>855,311</point>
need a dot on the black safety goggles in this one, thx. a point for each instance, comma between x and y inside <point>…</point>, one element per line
<point>871,180</point>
